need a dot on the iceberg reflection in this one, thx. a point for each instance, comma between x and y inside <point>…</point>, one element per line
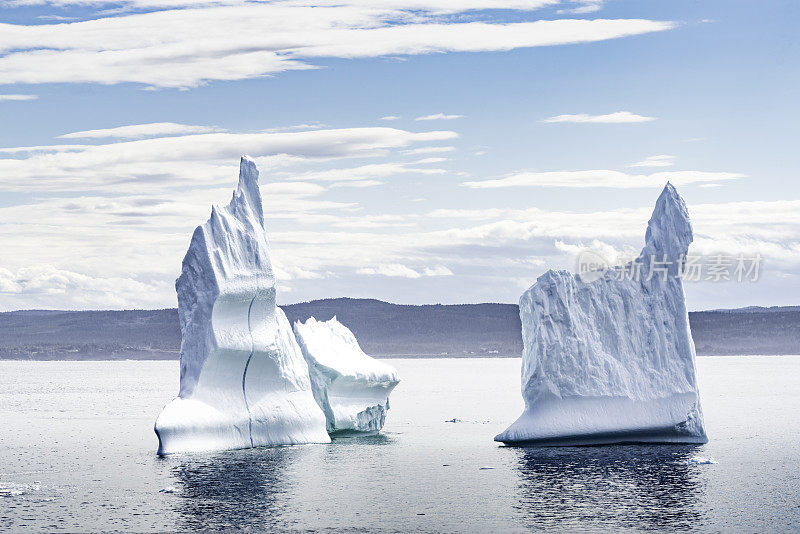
<point>645,487</point>
<point>233,490</point>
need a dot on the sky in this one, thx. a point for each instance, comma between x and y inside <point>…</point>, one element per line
<point>414,151</point>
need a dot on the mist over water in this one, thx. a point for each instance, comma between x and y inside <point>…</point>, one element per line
<point>77,452</point>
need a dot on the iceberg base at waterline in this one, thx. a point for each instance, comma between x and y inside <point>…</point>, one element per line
<point>606,420</point>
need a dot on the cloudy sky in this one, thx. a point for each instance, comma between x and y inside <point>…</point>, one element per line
<point>416,151</point>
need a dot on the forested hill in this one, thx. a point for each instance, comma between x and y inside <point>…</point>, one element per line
<point>383,329</point>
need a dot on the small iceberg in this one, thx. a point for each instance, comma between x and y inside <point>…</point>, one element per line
<point>351,387</point>
<point>701,460</point>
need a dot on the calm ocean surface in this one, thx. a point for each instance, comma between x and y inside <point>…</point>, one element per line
<point>77,453</point>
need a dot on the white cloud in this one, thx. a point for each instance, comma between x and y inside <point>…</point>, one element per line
<point>17,98</point>
<point>364,172</point>
<point>316,238</point>
<point>618,117</point>
<point>390,118</point>
<point>58,18</point>
<point>140,131</point>
<point>429,150</point>
<point>663,160</point>
<point>198,159</point>
<point>432,6</point>
<point>140,236</point>
<point>42,285</point>
<point>603,178</point>
<point>393,269</point>
<point>41,149</point>
<point>763,221</point>
<point>187,47</point>
<point>583,7</point>
<point>292,189</point>
<point>292,272</point>
<point>398,270</point>
<point>439,270</point>
<point>304,126</point>
<point>438,116</point>
<point>357,183</point>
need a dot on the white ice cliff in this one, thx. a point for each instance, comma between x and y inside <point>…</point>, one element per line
<point>612,360</point>
<point>350,387</point>
<point>243,379</point>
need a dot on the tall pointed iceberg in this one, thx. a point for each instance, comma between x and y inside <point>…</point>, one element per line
<point>243,379</point>
<point>609,358</point>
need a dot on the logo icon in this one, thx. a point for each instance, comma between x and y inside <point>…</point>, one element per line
<point>591,266</point>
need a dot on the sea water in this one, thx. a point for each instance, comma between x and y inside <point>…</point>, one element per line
<point>77,453</point>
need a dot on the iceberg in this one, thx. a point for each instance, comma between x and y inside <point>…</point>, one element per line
<point>351,388</point>
<point>609,357</point>
<point>701,460</point>
<point>243,379</point>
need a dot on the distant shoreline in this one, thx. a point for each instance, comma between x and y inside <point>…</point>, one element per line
<point>384,330</point>
<point>379,357</point>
